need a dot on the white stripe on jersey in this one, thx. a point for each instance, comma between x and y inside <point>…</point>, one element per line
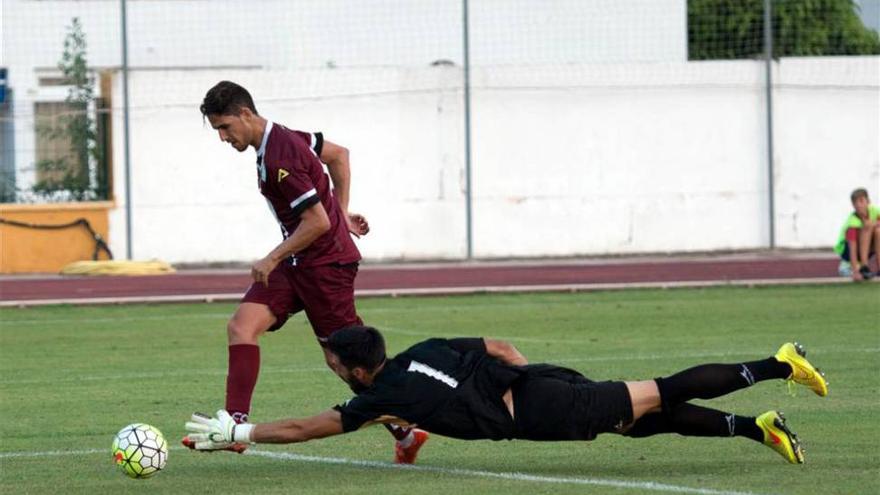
<point>435,374</point>
<point>306,195</point>
<point>314,142</point>
<point>284,232</point>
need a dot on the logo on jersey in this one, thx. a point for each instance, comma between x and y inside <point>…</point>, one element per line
<point>282,174</point>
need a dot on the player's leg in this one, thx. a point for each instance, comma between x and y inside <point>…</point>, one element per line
<point>709,381</point>
<point>250,321</point>
<point>866,235</point>
<point>263,309</point>
<point>714,380</point>
<point>875,247</point>
<point>695,421</point>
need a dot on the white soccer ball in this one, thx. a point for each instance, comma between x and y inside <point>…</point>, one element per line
<point>140,450</point>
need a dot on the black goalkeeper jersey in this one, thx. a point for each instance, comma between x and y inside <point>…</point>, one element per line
<point>449,387</point>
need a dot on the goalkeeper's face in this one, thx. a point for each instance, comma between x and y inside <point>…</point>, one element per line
<point>236,130</point>
<point>351,377</point>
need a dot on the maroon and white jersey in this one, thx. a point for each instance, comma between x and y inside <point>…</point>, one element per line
<point>292,179</point>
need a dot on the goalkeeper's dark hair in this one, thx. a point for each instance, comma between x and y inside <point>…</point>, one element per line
<point>227,98</point>
<point>358,346</point>
<point>858,193</point>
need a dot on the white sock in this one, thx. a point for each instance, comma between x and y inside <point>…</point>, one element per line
<point>408,440</point>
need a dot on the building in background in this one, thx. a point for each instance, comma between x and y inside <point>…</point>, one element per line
<point>591,131</point>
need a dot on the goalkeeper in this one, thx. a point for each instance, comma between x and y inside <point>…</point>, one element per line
<point>477,388</point>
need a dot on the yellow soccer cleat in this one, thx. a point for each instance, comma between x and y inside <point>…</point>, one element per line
<point>778,437</point>
<point>801,370</point>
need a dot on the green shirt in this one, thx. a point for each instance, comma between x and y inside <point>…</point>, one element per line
<point>854,222</point>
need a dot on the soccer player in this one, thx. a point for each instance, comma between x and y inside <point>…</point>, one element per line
<point>859,238</point>
<point>314,267</point>
<point>481,388</point>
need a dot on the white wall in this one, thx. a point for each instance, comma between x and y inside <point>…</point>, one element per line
<point>196,199</point>
<point>568,160</point>
<point>827,143</point>
<point>308,34</point>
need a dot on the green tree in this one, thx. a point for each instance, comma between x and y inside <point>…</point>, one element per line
<point>731,29</point>
<point>69,176</point>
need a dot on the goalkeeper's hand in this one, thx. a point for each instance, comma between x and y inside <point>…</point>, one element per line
<point>217,433</point>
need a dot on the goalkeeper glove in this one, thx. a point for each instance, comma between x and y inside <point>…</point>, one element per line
<point>217,433</point>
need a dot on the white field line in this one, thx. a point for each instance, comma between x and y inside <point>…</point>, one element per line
<point>69,377</point>
<point>639,486</point>
<point>433,291</point>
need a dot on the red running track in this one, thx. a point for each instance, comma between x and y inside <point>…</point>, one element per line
<point>437,276</point>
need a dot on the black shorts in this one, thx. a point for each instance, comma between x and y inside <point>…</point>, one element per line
<point>552,403</point>
<point>325,292</point>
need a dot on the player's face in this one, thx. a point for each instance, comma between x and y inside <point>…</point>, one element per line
<point>349,377</point>
<point>233,129</point>
<point>861,206</point>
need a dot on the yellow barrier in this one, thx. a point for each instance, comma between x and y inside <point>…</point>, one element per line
<point>27,250</point>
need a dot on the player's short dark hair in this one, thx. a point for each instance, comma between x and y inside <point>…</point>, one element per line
<point>227,98</point>
<point>858,193</point>
<point>358,346</point>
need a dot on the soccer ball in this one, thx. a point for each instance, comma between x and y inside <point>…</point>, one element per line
<point>140,450</point>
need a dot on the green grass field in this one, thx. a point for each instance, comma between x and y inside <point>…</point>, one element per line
<point>70,377</point>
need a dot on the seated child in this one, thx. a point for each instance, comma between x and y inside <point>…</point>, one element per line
<point>859,238</point>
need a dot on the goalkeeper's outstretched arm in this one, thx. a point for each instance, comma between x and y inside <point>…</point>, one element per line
<point>219,432</point>
<point>293,430</point>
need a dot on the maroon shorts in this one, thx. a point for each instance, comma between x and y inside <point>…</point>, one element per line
<point>325,292</point>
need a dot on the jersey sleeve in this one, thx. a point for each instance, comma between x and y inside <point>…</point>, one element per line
<point>315,140</point>
<point>467,344</point>
<point>293,182</point>
<point>358,411</point>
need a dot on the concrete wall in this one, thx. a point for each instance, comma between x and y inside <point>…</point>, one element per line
<point>567,160</point>
<point>827,115</point>
<point>309,34</point>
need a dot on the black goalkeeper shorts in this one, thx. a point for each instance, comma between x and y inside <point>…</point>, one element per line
<point>553,403</point>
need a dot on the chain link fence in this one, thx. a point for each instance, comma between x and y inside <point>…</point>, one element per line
<point>568,91</point>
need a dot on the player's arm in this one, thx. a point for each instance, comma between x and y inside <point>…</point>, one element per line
<point>336,158</point>
<point>326,424</point>
<point>314,222</point>
<point>339,166</point>
<point>505,352</point>
<point>216,433</point>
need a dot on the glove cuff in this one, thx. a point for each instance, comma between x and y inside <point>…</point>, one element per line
<point>241,433</point>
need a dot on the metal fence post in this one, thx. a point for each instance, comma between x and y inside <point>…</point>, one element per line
<point>125,120</point>
<point>768,62</point>
<point>467,133</point>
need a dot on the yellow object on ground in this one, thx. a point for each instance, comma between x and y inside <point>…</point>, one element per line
<point>117,268</point>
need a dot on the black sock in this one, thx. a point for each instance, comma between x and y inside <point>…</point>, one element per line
<point>714,380</point>
<point>398,432</point>
<point>696,421</point>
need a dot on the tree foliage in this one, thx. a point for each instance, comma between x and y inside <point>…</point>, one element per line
<point>70,177</point>
<point>732,29</point>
